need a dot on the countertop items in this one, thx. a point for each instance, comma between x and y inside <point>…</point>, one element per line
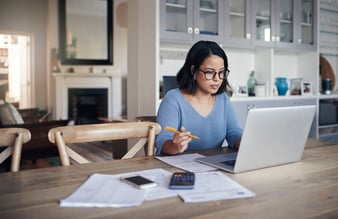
<point>326,72</point>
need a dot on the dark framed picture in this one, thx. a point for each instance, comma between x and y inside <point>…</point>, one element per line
<point>242,90</point>
<point>306,88</point>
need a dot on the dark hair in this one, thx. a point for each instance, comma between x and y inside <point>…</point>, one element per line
<point>195,57</point>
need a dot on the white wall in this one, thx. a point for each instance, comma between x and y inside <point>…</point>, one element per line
<point>29,17</point>
<point>143,58</point>
<point>241,63</point>
<point>119,45</point>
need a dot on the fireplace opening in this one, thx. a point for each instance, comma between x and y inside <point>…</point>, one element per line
<point>87,105</point>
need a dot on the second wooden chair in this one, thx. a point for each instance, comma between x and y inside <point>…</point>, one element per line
<point>13,138</point>
<point>144,131</point>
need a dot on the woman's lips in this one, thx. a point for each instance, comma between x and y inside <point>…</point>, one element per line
<point>215,86</point>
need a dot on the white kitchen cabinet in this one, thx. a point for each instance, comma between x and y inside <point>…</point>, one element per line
<point>190,20</point>
<point>285,24</point>
<point>242,106</point>
<point>237,30</point>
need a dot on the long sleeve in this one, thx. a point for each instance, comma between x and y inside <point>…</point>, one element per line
<point>219,125</point>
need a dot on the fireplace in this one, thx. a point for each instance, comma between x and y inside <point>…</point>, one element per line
<point>86,106</point>
<point>110,82</point>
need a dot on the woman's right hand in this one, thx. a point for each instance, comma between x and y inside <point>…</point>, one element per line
<point>178,144</point>
<point>181,140</point>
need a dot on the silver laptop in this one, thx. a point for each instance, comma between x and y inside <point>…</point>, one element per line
<point>272,136</point>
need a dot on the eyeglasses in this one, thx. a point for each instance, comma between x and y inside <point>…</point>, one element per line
<point>210,74</point>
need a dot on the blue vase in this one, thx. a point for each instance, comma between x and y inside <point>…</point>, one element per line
<point>282,86</point>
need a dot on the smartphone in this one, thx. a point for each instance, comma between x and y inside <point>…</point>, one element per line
<point>139,182</point>
<point>182,180</point>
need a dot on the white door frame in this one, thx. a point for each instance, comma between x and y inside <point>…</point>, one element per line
<point>27,95</point>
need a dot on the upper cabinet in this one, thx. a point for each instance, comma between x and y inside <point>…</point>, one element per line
<point>237,28</point>
<point>329,30</point>
<point>284,23</point>
<point>307,37</point>
<point>190,20</point>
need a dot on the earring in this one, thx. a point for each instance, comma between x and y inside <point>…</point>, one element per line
<point>195,77</point>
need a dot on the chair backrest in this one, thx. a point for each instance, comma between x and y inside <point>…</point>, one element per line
<point>144,131</point>
<point>145,118</point>
<point>13,138</point>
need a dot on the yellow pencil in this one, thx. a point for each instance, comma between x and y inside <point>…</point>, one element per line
<point>171,129</point>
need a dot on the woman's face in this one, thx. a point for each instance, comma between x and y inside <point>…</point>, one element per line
<point>208,68</point>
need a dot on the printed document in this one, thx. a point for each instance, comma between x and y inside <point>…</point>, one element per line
<point>106,190</point>
<point>213,186</point>
<point>186,162</point>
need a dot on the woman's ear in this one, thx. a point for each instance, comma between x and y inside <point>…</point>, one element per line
<point>192,69</point>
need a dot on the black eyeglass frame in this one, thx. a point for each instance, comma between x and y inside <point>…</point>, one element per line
<point>225,74</point>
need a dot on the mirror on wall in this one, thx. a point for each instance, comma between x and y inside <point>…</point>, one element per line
<point>85,32</point>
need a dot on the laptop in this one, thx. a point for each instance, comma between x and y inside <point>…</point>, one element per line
<point>272,136</point>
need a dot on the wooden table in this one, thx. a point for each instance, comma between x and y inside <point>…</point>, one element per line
<point>306,189</point>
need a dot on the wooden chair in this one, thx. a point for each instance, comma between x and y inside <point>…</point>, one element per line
<point>145,118</point>
<point>145,131</point>
<point>13,138</point>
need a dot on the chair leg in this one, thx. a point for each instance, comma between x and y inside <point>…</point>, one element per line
<point>16,156</point>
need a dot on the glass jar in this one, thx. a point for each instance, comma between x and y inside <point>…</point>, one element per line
<point>251,83</point>
<point>296,86</point>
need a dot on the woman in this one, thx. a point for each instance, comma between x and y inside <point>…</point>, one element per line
<point>200,105</point>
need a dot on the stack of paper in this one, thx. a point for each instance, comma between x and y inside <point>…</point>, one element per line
<point>213,186</point>
<point>187,162</point>
<point>103,190</point>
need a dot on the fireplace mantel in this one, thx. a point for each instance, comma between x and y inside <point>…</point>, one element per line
<point>111,81</point>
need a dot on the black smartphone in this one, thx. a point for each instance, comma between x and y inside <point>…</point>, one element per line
<point>139,182</point>
<point>182,180</point>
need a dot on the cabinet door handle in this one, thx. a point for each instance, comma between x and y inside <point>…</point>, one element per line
<point>197,31</point>
<point>248,36</point>
<point>249,107</point>
<point>189,30</point>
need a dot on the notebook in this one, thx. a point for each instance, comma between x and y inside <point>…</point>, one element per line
<point>272,136</point>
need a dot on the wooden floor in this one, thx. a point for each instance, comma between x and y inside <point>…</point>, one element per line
<point>95,152</point>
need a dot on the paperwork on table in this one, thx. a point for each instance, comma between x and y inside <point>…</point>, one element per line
<point>186,162</point>
<point>104,190</point>
<point>213,186</point>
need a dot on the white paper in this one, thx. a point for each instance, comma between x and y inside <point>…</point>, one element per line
<point>102,190</point>
<point>212,186</point>
<point>186,162</point>
<point>105,190</point>
<point>162,178</point>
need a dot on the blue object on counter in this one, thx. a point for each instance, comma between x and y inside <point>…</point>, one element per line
<point>282,86</point>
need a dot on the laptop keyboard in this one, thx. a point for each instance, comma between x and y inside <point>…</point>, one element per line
<point>229,162</point>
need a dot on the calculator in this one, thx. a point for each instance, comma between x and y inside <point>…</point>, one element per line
<point>182,180</point>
